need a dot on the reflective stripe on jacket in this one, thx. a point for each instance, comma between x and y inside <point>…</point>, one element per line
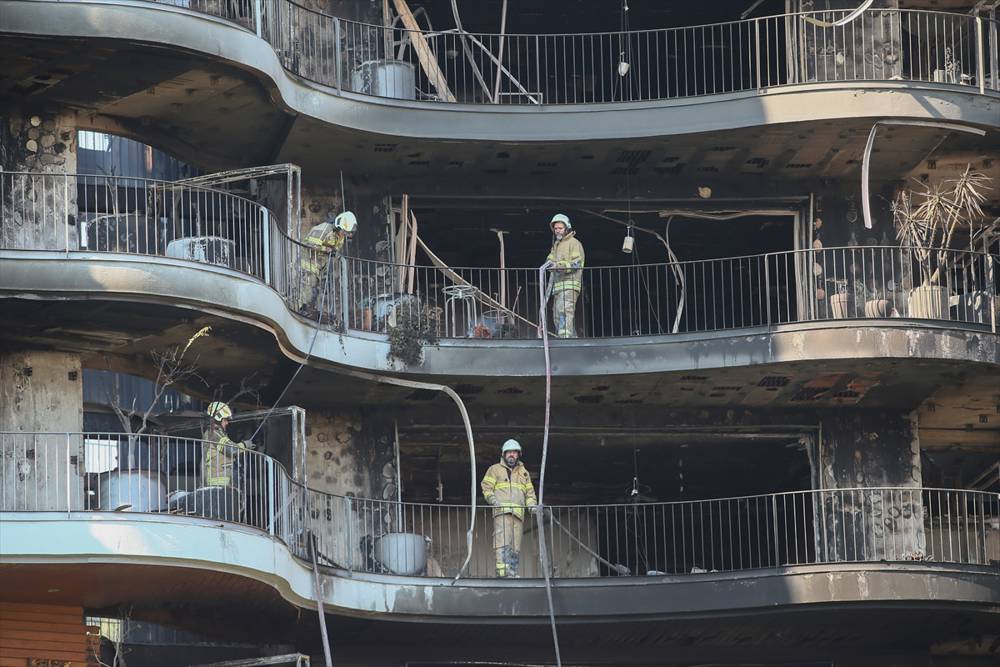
<point>568,259</point>
<point>322,238</point>
<point>508,490</point>
<point>217,456</point>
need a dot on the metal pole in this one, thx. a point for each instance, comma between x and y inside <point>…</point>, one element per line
<point>994,49</point>
<point>344,293</point>
<point>270,495</point>
<point>774,516</point>
<point>266,225</point>
<point>258,8</point>
<point>69,504</point>
<point>767,287</point>
<point>980,59</point>
<point>756,30</point>
<point>991,279</point>
<point>66,212</point>
<point>337,54</point>
<point>350,535</point>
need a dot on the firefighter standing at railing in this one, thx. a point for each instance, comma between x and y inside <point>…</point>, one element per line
<point>325,243</point>
<point>507,487</point>
<point>566,259</point>
<point>219,452</point>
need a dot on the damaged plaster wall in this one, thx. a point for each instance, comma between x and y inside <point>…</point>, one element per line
<point>41,392</point>
<point>351,459</point>
<point>38,207</point>
<point>319,205</point>
<point>370,241</point>
<point>873,450</point>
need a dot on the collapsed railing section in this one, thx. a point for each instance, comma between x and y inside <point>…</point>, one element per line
<point>451,65</point>
<point>871,282</point>
<point>166,475</point>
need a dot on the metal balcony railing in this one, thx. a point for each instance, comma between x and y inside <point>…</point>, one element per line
<point>142,216</point>
<point>111,214</point>
<point>78,473</point>
<point>681,297</point>
<point>586,68</point>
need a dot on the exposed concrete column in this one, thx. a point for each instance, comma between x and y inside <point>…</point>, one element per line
<point>39,209</point>
<point>351,456</point>
<point>864,450</point>
<point>41,392</point>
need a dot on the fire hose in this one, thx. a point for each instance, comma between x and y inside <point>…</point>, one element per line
<point>542,549</point>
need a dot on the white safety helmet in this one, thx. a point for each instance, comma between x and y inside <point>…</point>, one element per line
<point>563,218</point>
<point>218,411</point>
<point>511,446</point>
<point>346,222</point>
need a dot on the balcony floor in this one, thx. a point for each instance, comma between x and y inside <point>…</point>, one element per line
<point>169,563</point>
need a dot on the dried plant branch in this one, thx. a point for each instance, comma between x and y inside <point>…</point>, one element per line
<point>171,368</point>
<point>928,218</point>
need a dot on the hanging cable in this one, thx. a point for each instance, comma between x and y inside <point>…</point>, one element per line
<point>540,511</point>
<point>401,383</point>
<point>312,343</point>
<point>453,395</point>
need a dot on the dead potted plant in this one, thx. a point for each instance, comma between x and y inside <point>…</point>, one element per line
<point>927,220</point>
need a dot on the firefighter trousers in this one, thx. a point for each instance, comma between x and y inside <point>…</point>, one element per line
<point>507,530</point>
<point>564,312</point>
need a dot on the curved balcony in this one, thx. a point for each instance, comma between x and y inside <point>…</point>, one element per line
<point>151,493</point>
<point>606,67</point>
<point>719,77</point>
<point>122,230</point>
<point>138,216</point>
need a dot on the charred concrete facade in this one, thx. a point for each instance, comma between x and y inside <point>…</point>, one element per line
<point>774,439</point>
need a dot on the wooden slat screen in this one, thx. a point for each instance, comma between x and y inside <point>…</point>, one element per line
<point>48,632</point>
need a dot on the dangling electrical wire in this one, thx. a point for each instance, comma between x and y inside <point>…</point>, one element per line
<point>625,51</point>
<point>412,384</point>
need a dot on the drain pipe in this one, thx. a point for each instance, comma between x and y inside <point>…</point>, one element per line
<point>540,512</point>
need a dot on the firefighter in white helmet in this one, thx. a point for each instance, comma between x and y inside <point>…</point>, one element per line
<point>507,487</point>
<point>218,452</point>
<point>566,258</point>
<point>325,242</point>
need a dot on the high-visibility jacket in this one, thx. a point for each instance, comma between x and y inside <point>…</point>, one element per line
<point>324,237</point>
<point>568,258</point>
<point>217,454</point>
<point>508,490</point>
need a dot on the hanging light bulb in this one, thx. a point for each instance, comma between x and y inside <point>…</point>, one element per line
<point>623,64</point>
<point>629,243</point>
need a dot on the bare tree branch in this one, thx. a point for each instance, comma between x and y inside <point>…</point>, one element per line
<point>171,368</point>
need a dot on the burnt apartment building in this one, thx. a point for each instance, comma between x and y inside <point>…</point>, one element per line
<point>770,427</point>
